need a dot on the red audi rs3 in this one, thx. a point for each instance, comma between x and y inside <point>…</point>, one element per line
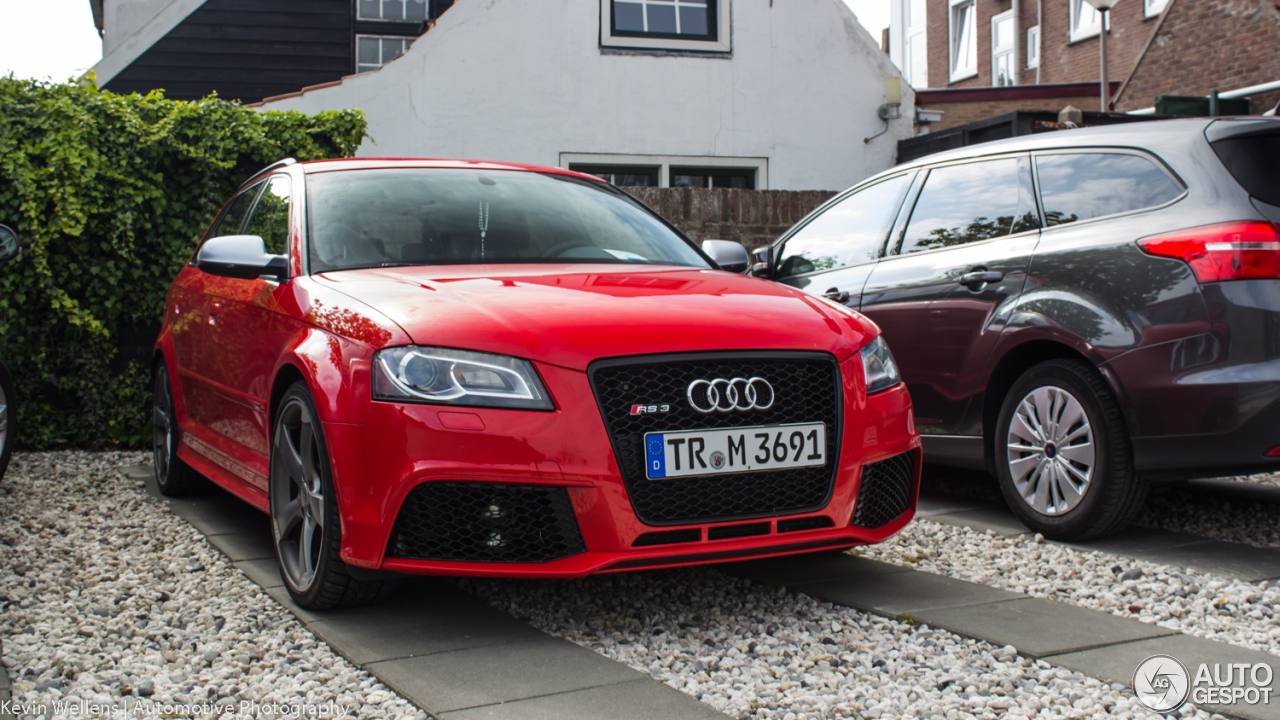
<point>467,368</point>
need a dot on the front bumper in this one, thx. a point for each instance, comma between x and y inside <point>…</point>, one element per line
<point>377,464</point>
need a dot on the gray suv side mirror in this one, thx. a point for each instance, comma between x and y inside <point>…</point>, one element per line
<point>9,245</point>
<point>240,256</point>
<point>729,255</point>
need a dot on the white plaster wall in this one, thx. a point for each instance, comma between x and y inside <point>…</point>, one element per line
<point>524,80</point>
<point>122,18</point>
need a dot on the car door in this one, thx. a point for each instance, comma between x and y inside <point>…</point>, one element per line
<point>237,361</point>
<point>190,305</point>
<point>959,258</point>
<point>833,253</point>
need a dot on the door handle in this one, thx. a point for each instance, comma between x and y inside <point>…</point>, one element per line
<point>837,295</point>
<point>981,277</point>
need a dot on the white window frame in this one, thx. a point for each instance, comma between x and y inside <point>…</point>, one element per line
<point>722,43</point>
<point>380,38</point>
<point>954,10</point>
<point>1075,31</point>
<point>1033,47</point>
<point>915,35</point>
<point>665,163</point>
<point>426,13</point>
<point>1153,8</point>
<point>1011,52</point>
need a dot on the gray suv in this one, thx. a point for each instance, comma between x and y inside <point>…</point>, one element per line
<point>1079,313</point>
<point>9,249</point>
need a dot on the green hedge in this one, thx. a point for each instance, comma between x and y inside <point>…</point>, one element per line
<point>109,194</point>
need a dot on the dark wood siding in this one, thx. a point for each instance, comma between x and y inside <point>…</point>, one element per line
<point>248,50</point>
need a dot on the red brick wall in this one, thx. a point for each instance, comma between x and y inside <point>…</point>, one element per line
<point>752,217</point>
<point>1205,45</point>
<point>1061,61</point>
<point>959,113</point>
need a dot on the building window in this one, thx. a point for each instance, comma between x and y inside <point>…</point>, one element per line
<point>374,51</point>
<point>1004,49</point>
<point>1033,47</point>
<point>398,10</point>
<point>686,19</point>
<point>622,175</point>
<point>682,25</point>
<point>1085,20</point>
<point>964,45</point>
<point>1152,8</point>
<point>741,178</point>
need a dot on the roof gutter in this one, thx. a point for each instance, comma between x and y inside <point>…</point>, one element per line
<point>96,6</point>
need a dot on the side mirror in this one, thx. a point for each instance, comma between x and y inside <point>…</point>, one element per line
<point>763,261</point>
<point>9,245</point>
<point>240,256</point>
<point>729,255</point>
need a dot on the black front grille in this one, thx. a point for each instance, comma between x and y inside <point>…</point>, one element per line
<point>485,522</point>
<point>807,390</point>
<point>885,492</point>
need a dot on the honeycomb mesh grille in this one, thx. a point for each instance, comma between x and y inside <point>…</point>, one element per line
<point>807,389</point>
<point>485,522</point>
<point>885,492</point>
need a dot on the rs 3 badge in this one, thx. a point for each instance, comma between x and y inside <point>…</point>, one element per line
<point>649,409</point>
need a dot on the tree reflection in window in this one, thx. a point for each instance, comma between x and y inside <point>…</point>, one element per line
<point>1090,185</point>
<point>851,232</point>
<point>961,204</point>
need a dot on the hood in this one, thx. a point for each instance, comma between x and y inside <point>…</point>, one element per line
<point>570,315</point>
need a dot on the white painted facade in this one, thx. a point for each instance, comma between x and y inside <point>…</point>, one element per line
<point>534,81</point>
<point>122,18</point>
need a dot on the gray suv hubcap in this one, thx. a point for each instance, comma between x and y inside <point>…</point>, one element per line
<point>1051,451</point>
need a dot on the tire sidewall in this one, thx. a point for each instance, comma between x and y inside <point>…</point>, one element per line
<point>166,486</point>
<point>332,534</point>
<point>1080,519</point>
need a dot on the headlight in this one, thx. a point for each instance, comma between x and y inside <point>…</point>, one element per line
<point>878,366</point>
<point>457,377</point>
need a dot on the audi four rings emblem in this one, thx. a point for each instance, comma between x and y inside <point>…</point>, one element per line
<point>722,395</point>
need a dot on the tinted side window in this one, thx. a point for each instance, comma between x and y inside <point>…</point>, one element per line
<point>848,233</point>
<point>1253,161</point>
<point>270,219</point>
<point>1090,185</point>
<point>231,220</point>
<point>967,203</point>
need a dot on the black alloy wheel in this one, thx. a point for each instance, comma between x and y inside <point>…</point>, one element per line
<point>1062,453</point>
<point>173,476</point>
<point>7,397</point>
<point>304,513</point>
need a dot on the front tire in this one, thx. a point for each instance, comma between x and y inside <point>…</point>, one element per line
<point>304,513</point>
<point>173,476</point>
<point>7,397</point>
<point>1062,454</point>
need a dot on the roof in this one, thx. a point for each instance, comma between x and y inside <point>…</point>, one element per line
<point>320,166</point>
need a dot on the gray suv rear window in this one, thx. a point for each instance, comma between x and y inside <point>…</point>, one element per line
<point>1091,185</point>
<point>1255,163</point>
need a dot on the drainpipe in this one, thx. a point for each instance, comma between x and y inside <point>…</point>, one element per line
<point>1040,36</point>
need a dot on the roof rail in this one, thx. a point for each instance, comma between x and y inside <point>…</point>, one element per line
<point>278,164</point>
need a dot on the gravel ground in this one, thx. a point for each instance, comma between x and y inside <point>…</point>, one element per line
<point>110,599</point>
<point>759,652</point>
<point>1234,611</point>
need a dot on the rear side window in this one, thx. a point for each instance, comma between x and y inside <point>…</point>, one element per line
<point>968,203</point>
<point>1255,163</point>
<point>1092,185</point>
<point>847,233</point>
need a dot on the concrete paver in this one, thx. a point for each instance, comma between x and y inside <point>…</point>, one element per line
<point>1038,627</point>
<point>622,701</point>
<point>810,569</point>
<point>904,593</point>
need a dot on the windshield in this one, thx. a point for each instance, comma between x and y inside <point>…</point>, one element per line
<point>430,216</point>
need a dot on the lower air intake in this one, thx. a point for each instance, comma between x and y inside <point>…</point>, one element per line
<point>885,492</point>
<point>485,522</point>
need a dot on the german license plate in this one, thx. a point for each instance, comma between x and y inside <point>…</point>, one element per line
<point>748,449</point>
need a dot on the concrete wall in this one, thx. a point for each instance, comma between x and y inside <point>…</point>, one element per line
<point>527,80</point>
<point>122,18</point>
